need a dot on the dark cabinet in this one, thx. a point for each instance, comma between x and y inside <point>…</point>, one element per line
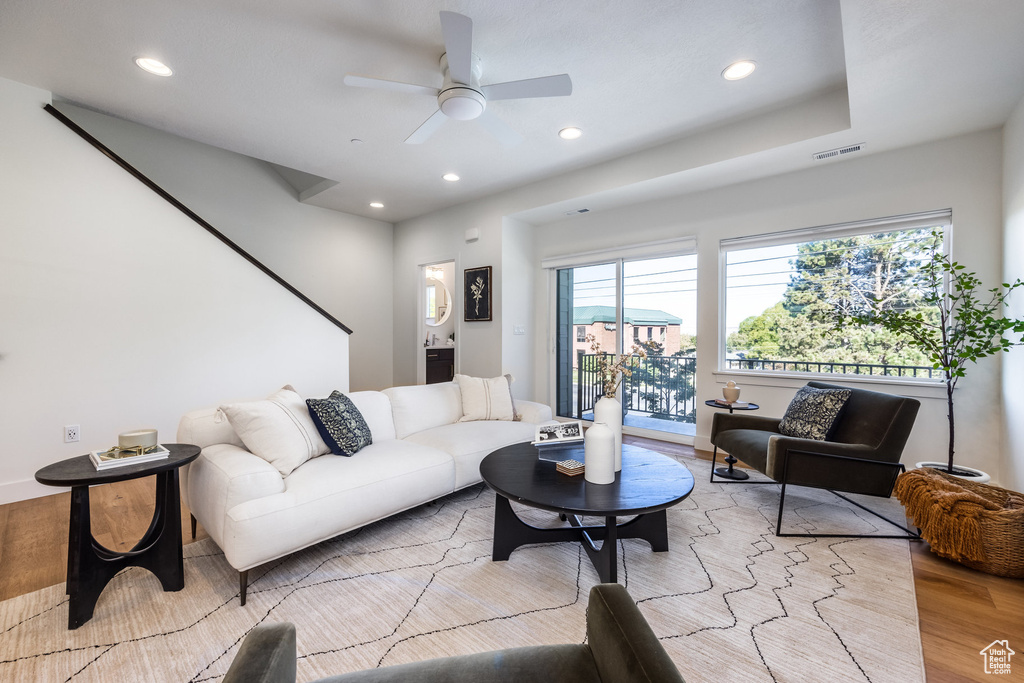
<point>440,365</point>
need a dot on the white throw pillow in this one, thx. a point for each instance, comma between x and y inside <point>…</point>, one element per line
<point>485,399</point>
<point>279,429</point>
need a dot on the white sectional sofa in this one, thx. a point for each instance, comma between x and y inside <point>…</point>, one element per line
<point>420,452</point>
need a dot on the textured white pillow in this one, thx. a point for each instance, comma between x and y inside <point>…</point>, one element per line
<point>279,429</point>
<point>485,399</point>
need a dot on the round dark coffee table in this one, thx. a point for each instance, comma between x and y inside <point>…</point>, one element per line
<point>648,484</point>
<point>90,564</point>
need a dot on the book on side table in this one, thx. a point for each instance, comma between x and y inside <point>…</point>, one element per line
<point>105,460</point>
<point>731,404</point>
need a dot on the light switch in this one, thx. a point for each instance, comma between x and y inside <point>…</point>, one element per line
<point>519,329</point>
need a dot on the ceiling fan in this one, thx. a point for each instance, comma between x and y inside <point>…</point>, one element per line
<point>461,97</point>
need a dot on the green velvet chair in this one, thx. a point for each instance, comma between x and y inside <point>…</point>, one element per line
<point>861,454</point>
<point>620,648</point>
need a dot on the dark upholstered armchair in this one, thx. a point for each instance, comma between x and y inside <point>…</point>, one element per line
<point>620,648</point>
<point>861,454</point>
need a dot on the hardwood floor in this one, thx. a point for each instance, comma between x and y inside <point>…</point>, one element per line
<point>960,610</point>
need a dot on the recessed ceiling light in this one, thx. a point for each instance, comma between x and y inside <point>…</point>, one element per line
<point>376,205</point>
<point>153,66</point>
<point>356,141</point>
<point>450,177</point>
<point>570,133</point>
<point>738,70</point>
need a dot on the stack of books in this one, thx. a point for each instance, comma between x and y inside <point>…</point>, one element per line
<point>731,404</point>
<point>105,460</point>
<point>570,467</point>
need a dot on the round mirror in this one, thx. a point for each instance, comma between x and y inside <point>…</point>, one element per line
<point>439,302</point>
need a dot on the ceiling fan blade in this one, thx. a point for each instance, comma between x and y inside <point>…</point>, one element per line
<point>381,84</point>
<point>427,128</point>
<point>546,86</point>
<point>499,129</point>
<point>457,30</point>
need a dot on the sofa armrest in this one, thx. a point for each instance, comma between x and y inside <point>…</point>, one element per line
<point>533,412</point>
<point>623,645</point>
<point>224,476</point>
<point>267,655</point>
<point>723,422</point>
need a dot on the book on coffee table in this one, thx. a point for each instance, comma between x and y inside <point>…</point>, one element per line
<point>105,460</point>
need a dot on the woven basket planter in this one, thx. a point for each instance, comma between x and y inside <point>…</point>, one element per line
<point>977,525</point>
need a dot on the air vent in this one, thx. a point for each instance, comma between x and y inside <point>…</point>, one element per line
<point>838,152</point>
<point>576,211</point>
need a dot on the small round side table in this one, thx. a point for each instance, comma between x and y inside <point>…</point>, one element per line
<point>91,565</point>
<point>729,472</point>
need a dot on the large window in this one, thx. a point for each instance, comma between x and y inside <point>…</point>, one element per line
<point>653,301</point>
<point>784,296</point>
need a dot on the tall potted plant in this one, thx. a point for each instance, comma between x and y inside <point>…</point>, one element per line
<point>964,323</point>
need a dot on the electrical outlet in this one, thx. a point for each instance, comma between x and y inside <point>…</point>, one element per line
<point>71,433</point>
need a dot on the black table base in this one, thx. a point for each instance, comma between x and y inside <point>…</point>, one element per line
<point>729,472</point>
<point>510,532</point>
<point>91,565</point>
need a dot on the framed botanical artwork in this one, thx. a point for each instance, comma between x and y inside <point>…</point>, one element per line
<point>477,287</point>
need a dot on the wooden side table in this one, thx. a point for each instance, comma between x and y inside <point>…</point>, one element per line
<point>91,565</point>
<point>729,472</point>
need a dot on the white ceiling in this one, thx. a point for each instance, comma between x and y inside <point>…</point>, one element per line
<point>264,78</point>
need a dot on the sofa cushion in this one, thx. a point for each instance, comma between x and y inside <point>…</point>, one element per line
<point>469,442</point>
<point>340,423</point>
<point>278,429</point>
<point>812,412</point>
<point>485,398</point>
<point>329,496</point>
<point>375,407</point>
<point>423,406</point>
<point>207,427</point>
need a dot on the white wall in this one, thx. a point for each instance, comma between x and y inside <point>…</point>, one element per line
<point>517,301</point>
<point>340,261</point>
<point>963,173</point>
<point>1013,268</point>
<point>440,237</point>
<point>118,312</point>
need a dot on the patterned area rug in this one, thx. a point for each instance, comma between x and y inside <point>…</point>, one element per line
<point>730,601</point>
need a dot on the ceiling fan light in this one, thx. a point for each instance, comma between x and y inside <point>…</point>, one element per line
<point>461,104</point>
<point>738,70</point>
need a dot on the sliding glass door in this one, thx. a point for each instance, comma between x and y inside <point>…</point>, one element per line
<point>609,308</point>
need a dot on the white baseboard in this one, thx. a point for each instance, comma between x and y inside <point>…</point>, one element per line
<point>14,491</point>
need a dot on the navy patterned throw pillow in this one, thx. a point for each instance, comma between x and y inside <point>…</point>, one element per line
<point>340,423</point>
<point>812,412</point>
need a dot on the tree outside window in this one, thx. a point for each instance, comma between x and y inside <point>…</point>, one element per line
<point>803,287</point>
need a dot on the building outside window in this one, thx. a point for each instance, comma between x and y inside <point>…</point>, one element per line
<point>783,293</point>
<point>581,333</point>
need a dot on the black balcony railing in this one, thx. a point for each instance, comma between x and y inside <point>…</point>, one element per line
<point>876,370</point>
<point>660,386</point>
<point>663,386</point>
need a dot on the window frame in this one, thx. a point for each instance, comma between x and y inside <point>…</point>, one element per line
<point>941,219</point>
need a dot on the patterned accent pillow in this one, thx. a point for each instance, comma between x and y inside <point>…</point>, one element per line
<point>812,412</point>
<point>340,423</point>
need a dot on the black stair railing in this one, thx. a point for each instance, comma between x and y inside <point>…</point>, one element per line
<point>142,178</point>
